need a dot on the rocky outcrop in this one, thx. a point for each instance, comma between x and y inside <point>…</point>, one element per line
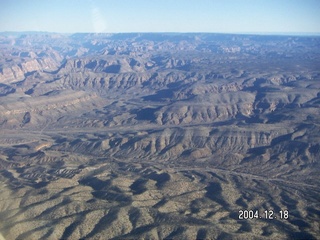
<point>36,112</point>
<point>17,72</point>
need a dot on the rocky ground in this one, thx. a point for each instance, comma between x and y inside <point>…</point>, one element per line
<point>159,136</point>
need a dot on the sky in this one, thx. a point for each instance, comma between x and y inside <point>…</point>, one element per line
<point>114,16</point>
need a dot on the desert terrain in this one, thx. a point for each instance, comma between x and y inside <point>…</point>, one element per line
<point>159,136</point>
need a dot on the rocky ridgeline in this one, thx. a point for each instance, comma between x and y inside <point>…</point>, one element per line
<point>19,71</point>
<point>38,112</point>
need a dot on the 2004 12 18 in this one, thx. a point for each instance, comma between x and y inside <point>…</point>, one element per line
<point>266,214</point>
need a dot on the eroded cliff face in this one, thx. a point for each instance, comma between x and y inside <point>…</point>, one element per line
<point>28,112</point>
<point>17,65</point>
<point>141,130</point>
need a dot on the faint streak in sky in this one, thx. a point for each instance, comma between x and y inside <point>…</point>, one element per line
<point>98,21</point>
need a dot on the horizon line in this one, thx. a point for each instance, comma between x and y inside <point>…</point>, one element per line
<point>177,32</point>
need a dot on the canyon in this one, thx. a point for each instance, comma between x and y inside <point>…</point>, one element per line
<point>159,135</point>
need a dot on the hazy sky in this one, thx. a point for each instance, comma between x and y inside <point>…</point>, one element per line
<point>224,16</point>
